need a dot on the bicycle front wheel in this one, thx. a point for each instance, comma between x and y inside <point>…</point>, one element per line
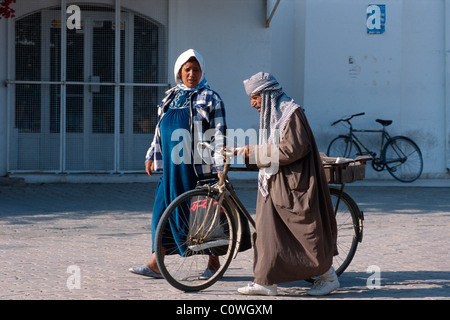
<point>349,228</point>
<point>343,146</point>
<point>191,230</point>
<point>403,159</point>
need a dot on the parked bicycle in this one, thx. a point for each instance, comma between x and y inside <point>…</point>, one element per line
<point>399,155</point>
<point>210,220</point>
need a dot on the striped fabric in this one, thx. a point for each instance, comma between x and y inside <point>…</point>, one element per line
<point>207,124</point>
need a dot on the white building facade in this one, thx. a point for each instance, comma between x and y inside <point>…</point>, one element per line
<point>80,94</point>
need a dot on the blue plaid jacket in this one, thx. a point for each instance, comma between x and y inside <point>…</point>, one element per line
<point>207,123</point>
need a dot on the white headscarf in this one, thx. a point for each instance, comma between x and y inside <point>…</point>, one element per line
<point>182,59</point>
<point>276,110</point>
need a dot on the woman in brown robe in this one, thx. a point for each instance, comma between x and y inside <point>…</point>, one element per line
<point>295,222</point>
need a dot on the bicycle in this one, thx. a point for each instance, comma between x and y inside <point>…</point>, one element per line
<point>211,219</point>
<point>399,155</point>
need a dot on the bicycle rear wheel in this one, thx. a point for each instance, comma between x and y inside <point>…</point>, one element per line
<point>343,146</point>
<point>403,159</point>
<point>349,229</point>
<point>193,228</point>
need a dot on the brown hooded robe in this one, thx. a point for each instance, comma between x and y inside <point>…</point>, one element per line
<point>295,224</point>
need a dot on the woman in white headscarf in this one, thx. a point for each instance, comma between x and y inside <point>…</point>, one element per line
<point>187,112</point>
<point>295,222</point>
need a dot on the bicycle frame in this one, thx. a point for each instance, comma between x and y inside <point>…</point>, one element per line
<point>385,137</point>
<point>227,194</point>
<point>394,150</point>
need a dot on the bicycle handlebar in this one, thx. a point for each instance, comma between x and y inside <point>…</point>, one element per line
<point>224,151</point>
<point>349,118</point>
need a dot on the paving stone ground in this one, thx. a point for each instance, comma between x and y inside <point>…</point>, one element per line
<point>49,232</point>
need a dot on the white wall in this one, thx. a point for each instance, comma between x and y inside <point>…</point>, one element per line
<point>231,35</point>
<point>232,38</point>
<point>446,132</point>
<point>235,43</point>
<point>3,124</point>
<point>398,75</point>
<point>423,79</point>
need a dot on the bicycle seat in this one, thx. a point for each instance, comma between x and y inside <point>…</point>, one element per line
<point>384,122</point>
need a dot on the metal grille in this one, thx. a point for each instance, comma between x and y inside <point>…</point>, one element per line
<point>84,100</point>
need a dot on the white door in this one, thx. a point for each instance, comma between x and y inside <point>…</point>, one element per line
<point>108,124</point>
<point>90,105</point>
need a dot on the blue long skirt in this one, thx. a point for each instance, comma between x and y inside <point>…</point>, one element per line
<point>178,173</point>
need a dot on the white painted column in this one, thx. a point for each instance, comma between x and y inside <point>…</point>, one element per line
<point>447,83</point>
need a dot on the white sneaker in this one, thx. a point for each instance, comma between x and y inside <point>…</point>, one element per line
<point>325,284</point>
<point>258,289</point>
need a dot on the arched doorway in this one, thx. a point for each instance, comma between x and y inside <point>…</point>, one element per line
<point>84,100</point>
